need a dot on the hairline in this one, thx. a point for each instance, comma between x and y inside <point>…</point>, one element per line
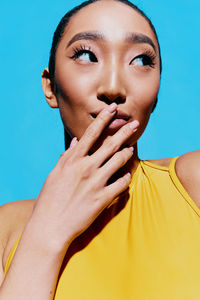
<point>136,9</point>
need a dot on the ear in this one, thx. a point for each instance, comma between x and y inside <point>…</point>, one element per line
<point>47,87</point>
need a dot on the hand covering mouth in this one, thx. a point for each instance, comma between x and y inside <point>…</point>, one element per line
<point>119,115</point>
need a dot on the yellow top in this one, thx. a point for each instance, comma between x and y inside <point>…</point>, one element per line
<point>144,247</point>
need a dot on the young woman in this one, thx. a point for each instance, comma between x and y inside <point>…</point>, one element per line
<point>105,224</point>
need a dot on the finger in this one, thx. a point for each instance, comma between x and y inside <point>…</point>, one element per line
<point>73,142</point>
<point>117,161</point>
<point>114,189</point>
<point>115,142</point>
<point>95,129</point>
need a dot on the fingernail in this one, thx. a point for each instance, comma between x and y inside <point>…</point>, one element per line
<point>112,107</point>
<point>131,148</point>
<point>134,125</point>
<point>73,142</point>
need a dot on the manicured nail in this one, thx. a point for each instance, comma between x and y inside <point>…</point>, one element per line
<point>112,107</point>
<point>134,125</point>
<point>131,148</point>
<point>73,142</point>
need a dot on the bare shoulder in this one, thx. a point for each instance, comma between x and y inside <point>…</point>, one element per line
<point>188,171</point>
<point>13,218</point>
<point>187,168</point>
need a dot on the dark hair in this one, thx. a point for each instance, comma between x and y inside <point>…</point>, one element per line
<point>65,20</point>
<point>58,34</point>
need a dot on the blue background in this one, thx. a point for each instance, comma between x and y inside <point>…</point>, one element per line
<point>32,133</point>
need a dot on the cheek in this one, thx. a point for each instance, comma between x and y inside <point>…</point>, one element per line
<point>73,84</point>
<point>67,87</point>
<point>73,94</point>
<point>146,94</point>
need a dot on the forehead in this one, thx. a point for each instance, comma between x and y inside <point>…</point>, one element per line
<point>112,18</point>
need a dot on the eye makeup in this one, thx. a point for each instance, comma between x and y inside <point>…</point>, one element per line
<point>82,49</point>
<point>147,56</point>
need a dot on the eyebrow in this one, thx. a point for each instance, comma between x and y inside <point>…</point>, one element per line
<point>134,38</point>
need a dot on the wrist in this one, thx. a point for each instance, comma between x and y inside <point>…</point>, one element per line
<point>44,238</point>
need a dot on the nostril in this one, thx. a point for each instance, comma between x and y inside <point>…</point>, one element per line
<point>111,98</point>
<point>104,98</point>
<point>120,100</point>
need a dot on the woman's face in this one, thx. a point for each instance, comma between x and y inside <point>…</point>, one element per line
<point>108,53</point>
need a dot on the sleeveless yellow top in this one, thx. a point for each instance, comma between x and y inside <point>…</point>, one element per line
<point>145,246</point>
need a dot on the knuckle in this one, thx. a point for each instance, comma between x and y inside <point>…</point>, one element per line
<point>120,156</point>
<point>124,181</point>
<point>69,156</point>
<point>103,116</point>
<point>91,132</point>
<point>128,152</point>
<point>70,159</point>
<point>86,168</point>
<point>112,146</point>
<point>126,130</point>
<point>124,157</point>
<point>86,174</point>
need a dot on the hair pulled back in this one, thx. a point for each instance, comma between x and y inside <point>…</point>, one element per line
<point>58,34</point>
<point>67,17</point>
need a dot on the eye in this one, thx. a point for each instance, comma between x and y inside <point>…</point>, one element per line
<point>139,61</point>
<point>88,56</point>
<point>84,54</point>
<point>144,60</point>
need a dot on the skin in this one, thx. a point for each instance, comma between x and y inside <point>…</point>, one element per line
<point>81,88</point>
<point>115,75</point>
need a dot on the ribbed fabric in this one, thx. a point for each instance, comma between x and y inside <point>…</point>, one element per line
<point>146,246</point>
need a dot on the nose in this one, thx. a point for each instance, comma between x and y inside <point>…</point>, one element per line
<point>111,88</point>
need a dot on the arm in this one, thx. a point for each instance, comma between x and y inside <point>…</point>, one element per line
<point>188,172</point>
<point>67,193</point>
<point>34,269</point>
<point>13,217</point>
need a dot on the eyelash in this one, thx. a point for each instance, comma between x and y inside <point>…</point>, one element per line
<point>78,51</point>
<point>147,55</point>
